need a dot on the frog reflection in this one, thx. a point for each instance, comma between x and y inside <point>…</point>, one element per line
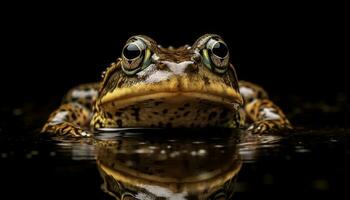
<point>169,167</point>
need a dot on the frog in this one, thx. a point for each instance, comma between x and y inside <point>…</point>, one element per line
<point>198,165</point>
<point>150,86</point>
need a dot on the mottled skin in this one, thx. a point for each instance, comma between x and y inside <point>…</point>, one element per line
<point>183,166</point>
<point>190,86</point>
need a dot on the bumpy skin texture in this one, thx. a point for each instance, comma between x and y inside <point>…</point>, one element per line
<point>73,117</point>
<point>262,115</point>
<point>190,86</point>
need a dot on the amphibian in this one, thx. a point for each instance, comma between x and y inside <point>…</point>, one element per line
<point>174,166</point>
<point>152,86</point>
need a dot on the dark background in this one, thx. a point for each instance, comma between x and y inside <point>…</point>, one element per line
<point>296,51</point>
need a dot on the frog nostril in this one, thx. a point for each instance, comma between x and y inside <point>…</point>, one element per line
<point>177,68</point>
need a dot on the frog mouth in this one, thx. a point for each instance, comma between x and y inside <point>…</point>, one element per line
<point>170,97</point>
<point>120,101</point>
<point>173,92</point>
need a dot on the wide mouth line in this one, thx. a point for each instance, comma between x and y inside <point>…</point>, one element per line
<point>228,100</point>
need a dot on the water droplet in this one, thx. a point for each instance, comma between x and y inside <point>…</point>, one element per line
<point>174,154</point>
<point>301,149</point>
<point>333,140</point>
<point>202,152</point>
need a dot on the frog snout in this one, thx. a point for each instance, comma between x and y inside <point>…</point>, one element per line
<point>178,68</point>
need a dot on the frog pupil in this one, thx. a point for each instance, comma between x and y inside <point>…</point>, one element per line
<point>131,51</point>
<point>220,49</point>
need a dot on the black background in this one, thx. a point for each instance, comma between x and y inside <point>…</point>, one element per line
<point>296,51</point>
<point>289,49</point>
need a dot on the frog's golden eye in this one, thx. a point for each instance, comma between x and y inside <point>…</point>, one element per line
<point>215,55</point>
<point>135,56</point>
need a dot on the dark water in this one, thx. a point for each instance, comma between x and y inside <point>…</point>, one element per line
<point>312,161</point>
<point>165,162</point>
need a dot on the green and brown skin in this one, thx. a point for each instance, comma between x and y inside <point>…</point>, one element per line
<point>190,86</point>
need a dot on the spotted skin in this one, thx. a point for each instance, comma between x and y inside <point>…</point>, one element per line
<point>187,86</point>
<point>84,94</point>
<point>262,114</point>
<point>72,118</point>
<point>187,114</point>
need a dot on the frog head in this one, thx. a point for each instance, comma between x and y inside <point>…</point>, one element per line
<point>152,86</point>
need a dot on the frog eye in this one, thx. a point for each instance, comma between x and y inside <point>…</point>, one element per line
<point>218,49</point>
<point>216,55</point>
<point>135,56</point>
<point>131,51</point>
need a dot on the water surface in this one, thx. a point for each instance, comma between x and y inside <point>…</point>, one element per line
<point>177,164</point>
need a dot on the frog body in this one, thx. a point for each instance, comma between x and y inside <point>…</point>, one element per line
<point>152,86</point>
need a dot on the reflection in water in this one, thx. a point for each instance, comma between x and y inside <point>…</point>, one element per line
<point>304,161</point>
<point>78,149</point>
<point>171,165</point>
<point>250,145</point>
